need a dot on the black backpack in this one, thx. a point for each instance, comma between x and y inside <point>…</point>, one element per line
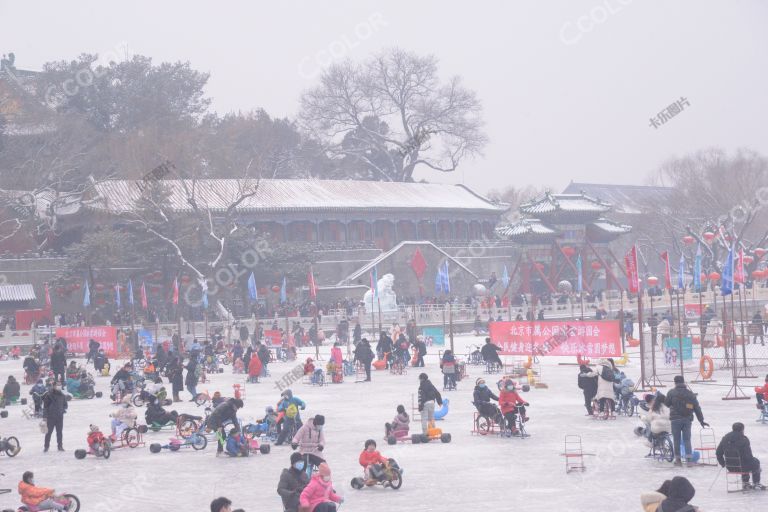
<point>607,373</point>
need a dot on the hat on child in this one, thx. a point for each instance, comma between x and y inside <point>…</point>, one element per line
<point>324,469</point>
<point>94,428</point>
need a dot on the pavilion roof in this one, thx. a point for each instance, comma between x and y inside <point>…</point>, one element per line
<point>564,203</point>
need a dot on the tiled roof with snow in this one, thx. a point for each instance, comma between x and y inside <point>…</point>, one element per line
<point>526,227</point>
<point>17,293</point>
<point>611,227</point>
<point>277,195</point>
<point>568,203</point>
<point>627,199</point>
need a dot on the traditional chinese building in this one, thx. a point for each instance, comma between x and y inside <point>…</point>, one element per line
<point>553,232</point>
<point>334,212</point>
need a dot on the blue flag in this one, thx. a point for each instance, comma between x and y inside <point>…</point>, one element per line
<point>283,292</point>
<point>505,277</point>
<point>130,292</point>
<point>681,273</point>
<point>446,279</point>
<point>86,295</point>
<point>580,275</point>
<point>374,283</point>
<point>727,286</point>
<point>253,292</point>
<point>697,270</point>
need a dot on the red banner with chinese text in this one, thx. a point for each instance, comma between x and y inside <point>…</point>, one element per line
<point>78,337</point>
<point>599,338</point>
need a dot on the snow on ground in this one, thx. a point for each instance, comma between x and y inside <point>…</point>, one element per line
<point>470,473</point>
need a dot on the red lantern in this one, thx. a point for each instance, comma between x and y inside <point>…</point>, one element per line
<point>597,265</point>
<point>709,236</point>
<point>569,251</point>
<point>688,239</point>
<point>275,288</point>
<point>714,276</point>
<point>653,281</point>
<point>704,277</point>
<point>748,259</point>
<point>759,252</point>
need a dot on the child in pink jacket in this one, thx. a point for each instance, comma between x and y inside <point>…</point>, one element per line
<point>318,495</point>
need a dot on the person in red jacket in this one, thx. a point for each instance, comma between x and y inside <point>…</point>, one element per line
<point>254,368</point>
<point>761,392</point>
<point>508,401</point>
<point>372,461</point>
<point>95,438</point>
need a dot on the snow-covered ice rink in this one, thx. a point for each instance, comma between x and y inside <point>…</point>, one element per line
<point>470,473</point>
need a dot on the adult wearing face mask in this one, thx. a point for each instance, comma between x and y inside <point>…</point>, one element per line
<point>310,440</point>
<point>482,397</point>
<point>54,407</point>
<point>293,480</point>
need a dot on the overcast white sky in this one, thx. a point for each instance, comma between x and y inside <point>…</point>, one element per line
<point>561,102</point>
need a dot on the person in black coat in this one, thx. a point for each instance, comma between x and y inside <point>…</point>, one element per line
<point>93,349</point>
<point>357,333</point>
<point>683,404</point>
<point>161,357</point>
<point>735,454</point>
<point>59,364</point>
<point>421,351</point>
<point>293,480</point>
<point>192,377</point>
<point>364,354</point>
<point>247,357</point>
<point>428,395</point>
<point>680,492</point>
<point>11,391</point>
<point>588,384</point>
<point>176,376</point>
<point>482,396</point>
<point>54,407</point>
<point>384,346</point>
<point>31,368</point>
<point>490,353</point>
<point>264,356</point>
<point>222,415</point>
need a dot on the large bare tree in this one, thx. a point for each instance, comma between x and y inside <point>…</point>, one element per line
<point>392,114</point>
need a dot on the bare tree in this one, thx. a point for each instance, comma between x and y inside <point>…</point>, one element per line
<point>715,192</point>
<point>392,114</point>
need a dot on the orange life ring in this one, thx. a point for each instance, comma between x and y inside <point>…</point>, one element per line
<point>706,367</point>
<point>528,364</point>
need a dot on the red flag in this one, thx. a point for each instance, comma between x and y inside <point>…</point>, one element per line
<point>418,264</point>
<point>47,296</point>
<point>739,276</point>
<point>667,273</point>
<point>312,285</point>
<point>630,260</point>
<point>144,302</point>
<point>176,291</point>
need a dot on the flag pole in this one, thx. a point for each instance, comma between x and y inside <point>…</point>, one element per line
<point>680,332</point>
<point>450,323</point>
<point>746,373</point>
